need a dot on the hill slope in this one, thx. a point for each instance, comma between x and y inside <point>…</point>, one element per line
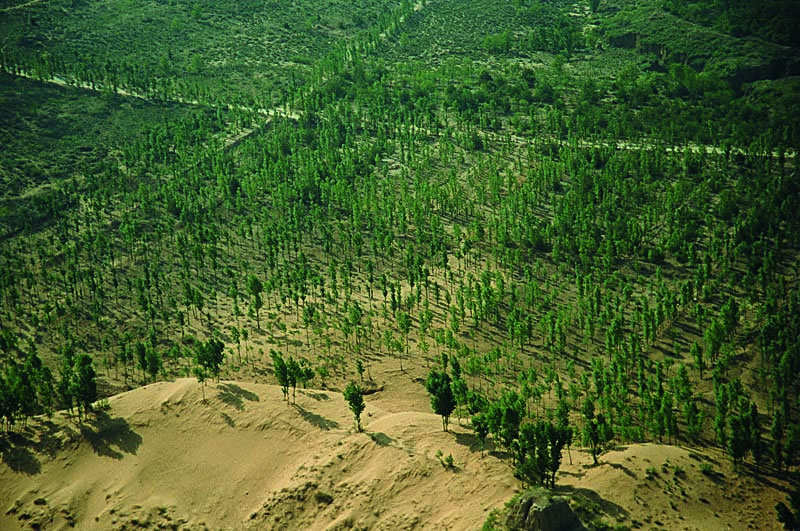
<point>161,456</point>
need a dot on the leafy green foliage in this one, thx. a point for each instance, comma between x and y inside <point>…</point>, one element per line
<point>538,452</point>
<point>209,356</point>
<point>281,370</point>
<point>355,400</point>
<point>443,402</point>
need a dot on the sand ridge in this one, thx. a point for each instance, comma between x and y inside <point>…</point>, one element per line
<point>163,457</point>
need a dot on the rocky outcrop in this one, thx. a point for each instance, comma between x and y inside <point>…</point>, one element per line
<point>539,510</point>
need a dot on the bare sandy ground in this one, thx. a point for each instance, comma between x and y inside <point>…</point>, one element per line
<point>159,456</point>
<point>162,457</point>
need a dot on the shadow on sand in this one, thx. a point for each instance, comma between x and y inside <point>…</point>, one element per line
<point>316,420</point>
<point>234,396</point>
<point>110,437</point>
<point>18,456</point>
<point>591,501</point>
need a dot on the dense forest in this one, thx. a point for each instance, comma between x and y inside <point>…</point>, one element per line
<point>585,238</point>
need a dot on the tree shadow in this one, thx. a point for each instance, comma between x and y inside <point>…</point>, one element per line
<point>470,440</point>
<point>717,478</point>
<point>573,474</point>
<point>110,437</point>
<point>625,470</point>
<point>762,477</point>
<point>317,420</point>
<point>381,439</point>
<point>19,449</point>
<point>228,420</point>
<point>234,396</point>
<point>499,454</point>
<point>46,441</point>
<point>319,397</point>
<point>590,499</point>
<point>18,457</point>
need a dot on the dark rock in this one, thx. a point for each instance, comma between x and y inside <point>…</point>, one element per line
<point>539,510</point>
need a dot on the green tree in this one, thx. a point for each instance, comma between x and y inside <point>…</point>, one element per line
<point>443,402</point>
<point>210,355</point>
<point>505,416</point>
<point>355,399</point>
<point>281,371</point>
<point>694,419</point>
<point>539,448</point>
<point>66,372</point>
<point>200,373</point>
<point>305,373</point>
<point>154,363</point>
<point>596,431</point>
<point>697,356</point>
<point>404,325</point>
<point>141,357</point>
<point>255,287</point>
<point>481,426</point>
<point>294,373</point>
<point>84,386</point>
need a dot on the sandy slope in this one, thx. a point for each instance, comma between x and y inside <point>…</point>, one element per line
<point>161,457</point>
<point>663,487</point>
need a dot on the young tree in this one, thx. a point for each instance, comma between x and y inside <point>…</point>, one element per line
<point>209,356</point>
<point>596,431</point>
<point>294,372</point>
<point>404,324</point>
<point>200,373</point>
<point>281,372</point>
<point>141,356</point>
<point>305,374</point>
<point>255,287</point>
<point>66,375</point>
<point>562,423</point>
<point>84,387</point>
<point>460,390</point>
<point>557,438</point>
<point>355,399</point>
<point>443,402</point>
<point>694,419</point>
<point>481,426</point>
<point>154,363</point>
<point>505,416</point>
<point>697,356</point>
<point>531,453</point>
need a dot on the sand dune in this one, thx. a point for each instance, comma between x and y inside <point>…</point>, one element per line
<point>159,455</point>
<point>162,457</point>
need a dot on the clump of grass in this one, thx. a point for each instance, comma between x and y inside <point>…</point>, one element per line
<point>448,462</point>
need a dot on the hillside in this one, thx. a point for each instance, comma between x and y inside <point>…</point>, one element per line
<point>573,222</point>
<point>162,457</point>
<point>244,458</point>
